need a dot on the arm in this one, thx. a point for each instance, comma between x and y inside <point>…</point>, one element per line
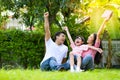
<point>102,26</point>
<point>97,49</point>
<point>64,60</point>
<point>68,34</point>
<point>100,29</point>
<point>46,26</point>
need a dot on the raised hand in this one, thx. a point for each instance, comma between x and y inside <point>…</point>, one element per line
<point>99,50</point>
<point>107,18</point>
<point>107,14</point>
<point>65,28</point>
<point>46,14</point>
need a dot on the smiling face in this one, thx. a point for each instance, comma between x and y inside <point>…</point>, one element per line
<point>90,39</point>
<point>78,41</point>
<point>60,38</point>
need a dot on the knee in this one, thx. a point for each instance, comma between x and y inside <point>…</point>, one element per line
<point>71,54</point>
<point>89,57</point>
<point>52,58</point>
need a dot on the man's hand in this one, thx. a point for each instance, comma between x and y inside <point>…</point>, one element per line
<point>46,14</point>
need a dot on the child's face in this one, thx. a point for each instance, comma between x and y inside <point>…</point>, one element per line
<point>78,42</point>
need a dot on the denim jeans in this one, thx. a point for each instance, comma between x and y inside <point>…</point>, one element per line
<point>87,62</point>
<point>66,65</point>
<point>49,64</point>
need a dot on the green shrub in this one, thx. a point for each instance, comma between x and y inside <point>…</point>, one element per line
<point>21,49</point>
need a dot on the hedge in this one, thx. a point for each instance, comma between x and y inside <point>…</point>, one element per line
<point>21,49</point>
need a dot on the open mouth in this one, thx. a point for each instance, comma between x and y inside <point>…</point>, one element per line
<point>77,42</point>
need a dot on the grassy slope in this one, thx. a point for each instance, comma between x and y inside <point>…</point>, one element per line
<point>98,74</point>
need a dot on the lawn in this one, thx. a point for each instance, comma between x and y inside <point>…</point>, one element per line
<point>97,74</point>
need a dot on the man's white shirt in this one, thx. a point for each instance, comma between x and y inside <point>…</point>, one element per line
<point>54,50</point>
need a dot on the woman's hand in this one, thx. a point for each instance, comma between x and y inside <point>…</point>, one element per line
<point>99,50</point>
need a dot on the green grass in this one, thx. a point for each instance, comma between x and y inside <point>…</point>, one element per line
<point>97,74</point>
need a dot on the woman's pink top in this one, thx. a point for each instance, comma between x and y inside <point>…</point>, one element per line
<point>91,51</point>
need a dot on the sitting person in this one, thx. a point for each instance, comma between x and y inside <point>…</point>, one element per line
<point>77,49</point>
<point>56,52</point>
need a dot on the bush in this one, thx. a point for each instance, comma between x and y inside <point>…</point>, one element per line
<point>21,49</point>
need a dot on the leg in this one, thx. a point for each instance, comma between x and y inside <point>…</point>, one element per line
<point>71,62</point>
<point>66,66</point>
<point>49,64</point>
<point>45,65</point>
<point>87,62</point>
<point>71,59</point>
<point>53,63</point>
<point>78,63</point>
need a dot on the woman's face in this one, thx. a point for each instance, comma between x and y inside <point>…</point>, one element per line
<point>90,39</point>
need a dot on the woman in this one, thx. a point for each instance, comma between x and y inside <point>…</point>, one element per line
<point>91,56</point>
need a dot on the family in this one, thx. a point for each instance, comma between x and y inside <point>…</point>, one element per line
<point>81,58</point>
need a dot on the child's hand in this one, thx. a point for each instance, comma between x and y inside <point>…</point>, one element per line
<point>65,28</point>
<point>99,50</point>
<point>46,14</point>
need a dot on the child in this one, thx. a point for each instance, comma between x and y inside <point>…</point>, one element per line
<point>77,49</point>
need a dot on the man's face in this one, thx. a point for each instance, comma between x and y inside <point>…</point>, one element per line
<point>61,38</point>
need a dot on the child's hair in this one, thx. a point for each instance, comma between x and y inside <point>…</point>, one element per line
<point>81,37</point>
<point>98,55</point>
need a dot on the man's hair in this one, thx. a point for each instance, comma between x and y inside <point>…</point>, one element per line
<point>58,34</point>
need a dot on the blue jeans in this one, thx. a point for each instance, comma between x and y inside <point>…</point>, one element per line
<point>49,64</point>
<point>66,65</point>
<point>87,62</point>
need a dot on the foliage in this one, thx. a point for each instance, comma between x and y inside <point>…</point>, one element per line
<point>32,12</point>
<point>96,9</point>
<point>21,49</point>
<point>29,10</point>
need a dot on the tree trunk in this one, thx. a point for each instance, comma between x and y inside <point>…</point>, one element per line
<point>109,57</point>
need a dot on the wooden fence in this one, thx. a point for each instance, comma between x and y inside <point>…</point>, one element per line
<point>115,52</point>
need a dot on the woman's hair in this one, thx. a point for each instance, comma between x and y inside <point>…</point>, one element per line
<point>98,56</point>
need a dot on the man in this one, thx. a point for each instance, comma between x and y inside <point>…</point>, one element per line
<point>56,52</point>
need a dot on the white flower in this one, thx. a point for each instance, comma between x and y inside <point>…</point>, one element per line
<point>10,13</point>
<point>4,13</point>
<point>61,18</point>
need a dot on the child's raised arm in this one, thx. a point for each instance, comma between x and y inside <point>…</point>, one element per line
<point>68,34</point>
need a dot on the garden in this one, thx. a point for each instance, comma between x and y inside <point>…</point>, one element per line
<point>22,44</point>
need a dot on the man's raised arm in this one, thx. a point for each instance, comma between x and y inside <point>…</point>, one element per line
<point>46,26</point>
